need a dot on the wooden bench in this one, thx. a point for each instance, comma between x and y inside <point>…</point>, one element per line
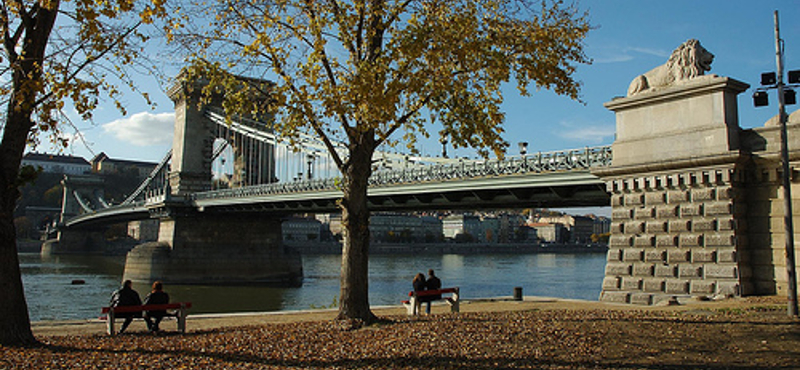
<point>416,299</point>
<point>179,312</point>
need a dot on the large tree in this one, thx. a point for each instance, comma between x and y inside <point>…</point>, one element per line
<point>55,55</point>
<point>359,71</point>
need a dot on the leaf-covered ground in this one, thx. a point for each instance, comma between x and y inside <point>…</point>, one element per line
<point>760,338</point>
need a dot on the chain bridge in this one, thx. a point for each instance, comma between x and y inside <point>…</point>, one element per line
<point>695,198</point>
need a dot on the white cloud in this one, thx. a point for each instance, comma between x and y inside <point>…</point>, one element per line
<point>594,134</point>
<point>614,54</point>
<point>143,129</point>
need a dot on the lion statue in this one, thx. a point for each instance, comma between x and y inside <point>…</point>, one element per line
<point>686,62</point>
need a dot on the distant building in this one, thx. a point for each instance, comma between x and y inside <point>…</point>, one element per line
<point>102,164</point>
<point>432,229</point>
<point>550,232</point>
<point>602,225</point>
<point>468,226</point>
<point>582,230</point>
<point>56,163</point>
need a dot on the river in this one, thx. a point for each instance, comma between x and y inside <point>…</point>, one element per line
<point>51,294</point>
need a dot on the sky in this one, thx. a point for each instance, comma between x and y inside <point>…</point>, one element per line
<point>629,38</point>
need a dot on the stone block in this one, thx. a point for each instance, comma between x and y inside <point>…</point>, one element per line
<point>614,297</point>
<point>655,198</point>
<point>619,240</point>
<point>678,255</point>
<point>667,211</point>
<point>726,224</point>
<point>643,299</point>
<point>727,255</point>
<point>617,200</point>
<point>644,241</point>
<point>691,240</point>
<point>634,199</point>
<point>703,194</point>
<point>691,209</point>
<point>704,255</point>
<point>634,227</point>
<point>728,288</point>
<point>719,208</point>
<point>618,269</point>
<point>720,240</point>
<point>631,283</point>
<point>702,287</point>
<point>667,240</point>
<point>726,193</point>
<point>621,214</point>
<point>653,285</point>
<point>676,226</point>
<point>703,225</point>
<point>617,227</point>
<point>644,213</point>
<point>690,271</point>
<point>614,254</point>
<point>665,271</point>
<point>611,283</point>
<point>643,269</point>
<point>720,271</point>
<point>677,287</point>
<point>651,255</point>
<point>656,227</point>
<point>677,196</point>
<point>633,255</point>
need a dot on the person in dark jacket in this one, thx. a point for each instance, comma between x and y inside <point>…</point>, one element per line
<point>126,296</point>
<point>156,296</point>
<point>433,283</point>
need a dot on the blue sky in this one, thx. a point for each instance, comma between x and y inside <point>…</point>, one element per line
<point>630,38</point>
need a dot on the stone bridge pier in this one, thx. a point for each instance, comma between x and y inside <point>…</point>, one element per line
<point>197,247</point>
<point>695,198</point>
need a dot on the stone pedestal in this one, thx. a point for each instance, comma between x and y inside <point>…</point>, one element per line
<point>675,184</point>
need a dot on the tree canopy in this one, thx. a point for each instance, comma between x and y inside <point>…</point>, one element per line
<point>379,72</point>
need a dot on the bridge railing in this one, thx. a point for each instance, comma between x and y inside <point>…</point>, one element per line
<point>566,160</point>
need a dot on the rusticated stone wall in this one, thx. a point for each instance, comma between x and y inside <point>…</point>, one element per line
<point>678,206</point>
<point>675,234</point>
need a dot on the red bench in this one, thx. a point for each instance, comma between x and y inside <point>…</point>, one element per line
<point>416,298</point>
<point>178,310</point>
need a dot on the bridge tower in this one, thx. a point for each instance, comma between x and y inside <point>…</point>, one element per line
<point>677,185</point>
<point>81,193</point>
<point>205,247</point>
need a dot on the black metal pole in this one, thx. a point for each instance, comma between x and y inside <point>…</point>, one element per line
<point>787,181</point>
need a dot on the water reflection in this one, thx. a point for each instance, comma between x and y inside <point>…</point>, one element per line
<point>51,295</point>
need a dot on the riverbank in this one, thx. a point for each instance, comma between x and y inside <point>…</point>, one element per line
<point>538,333</point>
<point>450,248</point>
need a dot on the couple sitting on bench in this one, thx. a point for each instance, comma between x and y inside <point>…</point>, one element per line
<point>427,291</point>
<point>126,296</point>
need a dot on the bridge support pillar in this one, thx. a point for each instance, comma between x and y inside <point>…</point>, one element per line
<point>676,185</point>
<point>200,248</point>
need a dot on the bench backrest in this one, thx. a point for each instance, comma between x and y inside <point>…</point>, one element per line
<point>425,293</point>
<point>149,307</point>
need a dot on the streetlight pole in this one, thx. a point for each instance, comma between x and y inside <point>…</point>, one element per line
<point>787,181</point>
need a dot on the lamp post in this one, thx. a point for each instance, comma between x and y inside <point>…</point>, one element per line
<point>785,96</point>
<point>523,148</point>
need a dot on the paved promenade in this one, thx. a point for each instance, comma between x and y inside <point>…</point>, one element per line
<point>202,322</point>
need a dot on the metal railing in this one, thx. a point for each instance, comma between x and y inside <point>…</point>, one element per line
<point>548,162</point>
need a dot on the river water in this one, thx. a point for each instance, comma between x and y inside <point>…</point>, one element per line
<point>51,294</point>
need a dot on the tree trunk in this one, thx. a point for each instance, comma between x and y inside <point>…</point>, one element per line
<point>15,326</point>
<point>354,284</point>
